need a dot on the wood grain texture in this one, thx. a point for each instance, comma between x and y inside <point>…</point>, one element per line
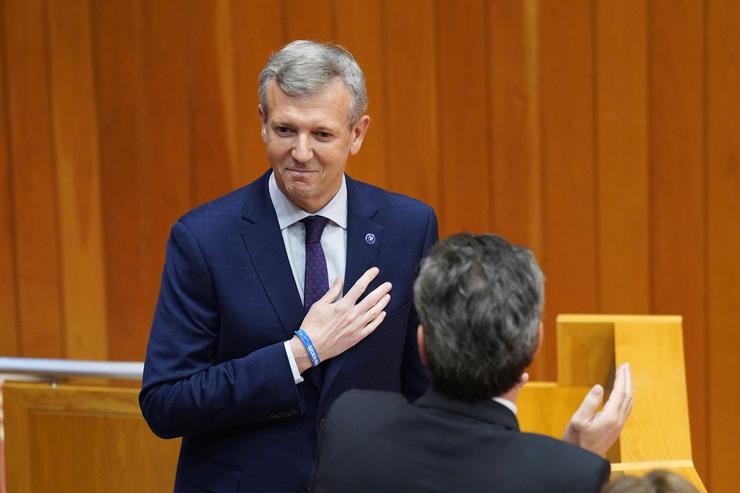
<point>117,55</point>
<point>309,20</point>
<point>74,438</point>
<point>165,190</point>
<point>622,157</point>
<point>9,336</point>
<point>37,254</point>
<point>74,126</point>
<point>257,32</point>
<point>359,28</point>
<point>678,189</point>
<point>412,134</point>
<point>211,99</point>
<point>462,68</point>
<point>567,150</point>
<point>723,240</point>
<point>513,86</point>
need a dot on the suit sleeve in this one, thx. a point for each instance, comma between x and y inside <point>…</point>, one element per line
<point>414,378</point>
<point>184,389</point>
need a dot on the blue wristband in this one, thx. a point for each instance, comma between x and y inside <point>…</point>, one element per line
<point>310,349</point>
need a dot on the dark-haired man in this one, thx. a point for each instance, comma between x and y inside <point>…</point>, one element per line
<point>480,300</point>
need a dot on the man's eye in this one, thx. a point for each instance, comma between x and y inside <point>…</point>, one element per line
<point>323,135</point>
<point>283,130</point>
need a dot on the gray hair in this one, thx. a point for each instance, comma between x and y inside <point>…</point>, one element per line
<point>305,67</point>
<point>480,300</point>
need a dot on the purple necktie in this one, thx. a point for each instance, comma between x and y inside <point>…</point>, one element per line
<point>316,282</point>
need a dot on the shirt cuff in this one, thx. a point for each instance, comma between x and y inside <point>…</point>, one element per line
<point>297,378</point>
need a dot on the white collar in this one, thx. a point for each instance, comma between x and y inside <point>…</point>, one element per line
<point>288,213</point>
<point>510,405</point>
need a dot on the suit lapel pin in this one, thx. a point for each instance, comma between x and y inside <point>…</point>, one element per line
<point>370,239</point>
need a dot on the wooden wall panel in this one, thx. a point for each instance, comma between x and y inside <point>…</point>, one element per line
<point>622,157</point>
<point>677,188</point>
<point>567,140</point>
<point>34,180</point>
<point>165,176</point>
<point>359,28</point>
<point>74,125</point>
<point>411,92</point>
<point>257,32</point>
<point>722,30</point>
<point>462,112</point>
<point>309,20</point>
<point>514,117</point>
<point>117,56</point>
<point>211,99</point>
<point>8,283</point>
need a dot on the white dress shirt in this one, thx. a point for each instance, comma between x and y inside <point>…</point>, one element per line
<point>333,241</point>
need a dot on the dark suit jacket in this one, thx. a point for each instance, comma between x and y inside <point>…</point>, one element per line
<point>377,442</point>
<point>216,372</point>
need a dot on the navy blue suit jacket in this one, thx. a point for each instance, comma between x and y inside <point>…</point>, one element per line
<point>216,372</point>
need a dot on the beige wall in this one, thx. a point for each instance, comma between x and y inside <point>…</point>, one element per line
<point>604,135</point>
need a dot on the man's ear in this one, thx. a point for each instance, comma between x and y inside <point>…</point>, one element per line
<point>540,336</point>
<point>359,130</point>
<point>420,343</point>
<point>263,121</point>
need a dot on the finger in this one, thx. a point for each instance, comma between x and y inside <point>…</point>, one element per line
<point>369,328</point>
<point>374,297</point>
<point>627,408</point>
<point>333,293</point>
<point>375,310</point>
<point>590,404</point>
<point>619,396</point>
<point>360,286</point>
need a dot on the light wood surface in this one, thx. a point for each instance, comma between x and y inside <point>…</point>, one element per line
<point>75,438</point>
<point>603,135</point>
<point>590,347</point>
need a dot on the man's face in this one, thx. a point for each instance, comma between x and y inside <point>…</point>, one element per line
<point>308,141</point>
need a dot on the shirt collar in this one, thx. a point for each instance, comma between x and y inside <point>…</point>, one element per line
<point>507,403</point>
<point>288,213</point>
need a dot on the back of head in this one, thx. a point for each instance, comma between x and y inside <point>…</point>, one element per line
<point>658,481</point>
<point>479,299</point>
<point>305,67</point>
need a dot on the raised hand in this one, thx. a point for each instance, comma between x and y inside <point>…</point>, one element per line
<point>598,430</point>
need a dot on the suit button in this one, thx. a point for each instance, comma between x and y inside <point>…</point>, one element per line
<point>322,422</point>
<point>306,489</point>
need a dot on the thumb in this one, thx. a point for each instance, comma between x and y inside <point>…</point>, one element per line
<point>333,293</point>
<point>590,404</point>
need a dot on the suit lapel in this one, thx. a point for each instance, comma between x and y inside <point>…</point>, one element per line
<point>364,241</point>
<point>266,248</point>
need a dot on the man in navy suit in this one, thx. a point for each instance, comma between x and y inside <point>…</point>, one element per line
<point>242,362</point>
<point>480,301</point>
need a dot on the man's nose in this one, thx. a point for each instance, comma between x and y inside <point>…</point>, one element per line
<point>302,151</point>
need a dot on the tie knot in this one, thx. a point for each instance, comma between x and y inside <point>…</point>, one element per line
<point>314,227</point>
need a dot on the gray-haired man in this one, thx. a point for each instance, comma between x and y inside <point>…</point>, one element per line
<point>276,298</point>
<point>479,299</point>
